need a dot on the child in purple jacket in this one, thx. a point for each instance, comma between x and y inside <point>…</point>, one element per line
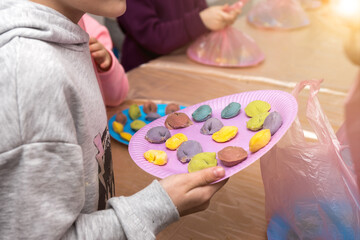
<point>156,27</point>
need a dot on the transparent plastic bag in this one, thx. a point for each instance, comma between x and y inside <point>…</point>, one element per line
<point>278,14</point>
<point>310,190</point>
<point>226,48</point>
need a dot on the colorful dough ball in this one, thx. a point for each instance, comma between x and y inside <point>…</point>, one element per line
<point>151,116</point>
<point>158,134</point>
<point>259,140</point>
<point>201,161</point>
<point>134,111</point>
<point>256,123</point>
<point>118,127</point>
<point>231,156</point>
<point>149,107</point>
<point>171,108</point>
<point>231,110</point>
<point>137,124</point>
<point>121,118</point>
<point>202,113</point>
<point>256,107</point>
<point>273,122</point>
<point>187,150</point>
<point>225,134</point>
<point>175,141</point>
<point>211,126</point>
<point>126,136</point>
<point>157,157</point>
<point>177,120</point>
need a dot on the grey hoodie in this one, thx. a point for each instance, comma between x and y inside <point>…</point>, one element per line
<point>55,159</point>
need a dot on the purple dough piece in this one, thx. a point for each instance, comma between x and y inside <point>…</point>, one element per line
<point>151,116</point>
<point>211,126</point>
<point>187,150</point>
<point>273,122</point>
<point>158,134</point>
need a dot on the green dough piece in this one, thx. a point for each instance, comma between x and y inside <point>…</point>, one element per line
<point>137,124</point>
<point>134,111</point>
<point>256,107</point>
<point>256,123</point>
<point>201,161</point>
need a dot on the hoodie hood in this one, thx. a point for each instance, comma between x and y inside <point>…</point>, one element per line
<point>31,20</point>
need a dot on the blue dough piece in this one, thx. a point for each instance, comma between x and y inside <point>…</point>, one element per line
<point>231,110</point>
<point>202,113</point>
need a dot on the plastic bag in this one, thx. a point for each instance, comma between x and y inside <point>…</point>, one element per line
<point>278,14</point>
<point>310,191</point>
<point>226,48</point>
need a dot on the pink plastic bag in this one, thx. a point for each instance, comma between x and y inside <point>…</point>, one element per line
<point>310,189</point>
<point>278,14</point>
<point>226,48</point>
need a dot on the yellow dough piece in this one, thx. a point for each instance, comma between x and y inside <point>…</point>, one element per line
<point>225,134</point>
<point>157,157</point>
<point>175,141</point>
<point>126,136</point>
<point>256,123</point>
<point>256,107</point>
<point>118,127</point>
<point>259,140</point>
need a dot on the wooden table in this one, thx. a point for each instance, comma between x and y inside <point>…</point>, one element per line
<point>237,211</point>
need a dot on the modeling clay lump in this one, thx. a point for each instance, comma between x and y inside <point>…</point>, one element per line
<point>171,108</point>
<point>225,134</point>
<point>202,113</point>
<point>118,127</point>
<point>256,123</point>
<point>187,150</point>
<point>202,161</point>
<point>256,107</point>
<point>273,122</point>
<point>137,124</point>
<point>231,110</point>
<point>177,120</point>
<point>232,155</point>
<point>134,111</point>
<point>157,157</point>
<point>211,126</point>
<point>175,141</point>
<point>157,134</point>
<point>149,107</point>
<point>259,140</point>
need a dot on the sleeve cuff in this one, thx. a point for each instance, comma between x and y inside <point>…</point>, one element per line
<point>194,25</point>
<point>146,213</point>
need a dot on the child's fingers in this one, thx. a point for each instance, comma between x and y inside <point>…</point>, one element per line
<point>92,40</point>
<point>96,47</point>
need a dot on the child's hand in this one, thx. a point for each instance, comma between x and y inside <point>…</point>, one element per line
<point>218,17</point>
<point>101,56</point>
<point>191,192</point>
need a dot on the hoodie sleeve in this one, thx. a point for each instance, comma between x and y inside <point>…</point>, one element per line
<point>49,174</point>
<point>143,22</point>
<point>114,82</point>
<point>140,216</point>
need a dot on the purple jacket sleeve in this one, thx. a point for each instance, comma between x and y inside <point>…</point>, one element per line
<point>163,26</point>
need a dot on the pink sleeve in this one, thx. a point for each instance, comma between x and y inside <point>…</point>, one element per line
<point>114,82</point>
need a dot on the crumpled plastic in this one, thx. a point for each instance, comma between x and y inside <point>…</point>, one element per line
<point>310,187</point>
<point>278,14</point>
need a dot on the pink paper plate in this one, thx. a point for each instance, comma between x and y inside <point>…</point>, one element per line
<point>282,102</point>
